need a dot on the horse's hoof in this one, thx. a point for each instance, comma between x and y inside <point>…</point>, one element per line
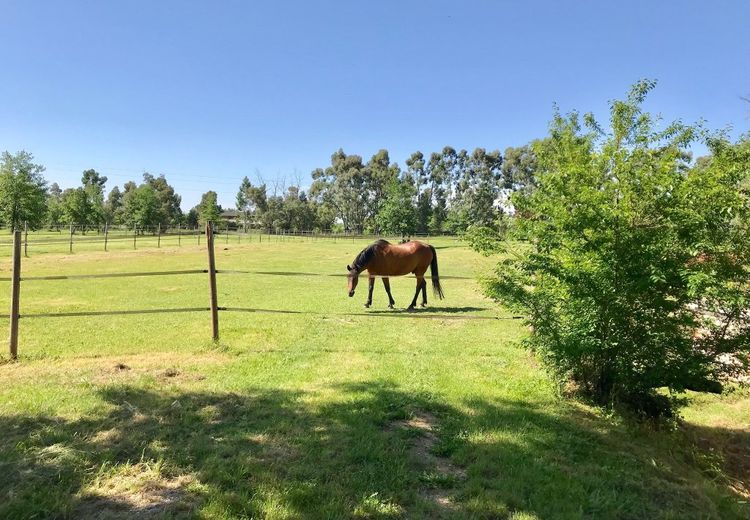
<point>367,305</point>
<point>423,305</point>
<point>410,309</point>
<point>390,306</point>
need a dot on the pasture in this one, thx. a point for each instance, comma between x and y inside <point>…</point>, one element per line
<point>326,413</point>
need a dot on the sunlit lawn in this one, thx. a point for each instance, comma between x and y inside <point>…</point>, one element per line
<point>323,414</point>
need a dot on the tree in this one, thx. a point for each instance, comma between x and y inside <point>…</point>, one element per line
<point>208,209</point>
<point>169,211</point>
<point>379,174</point>
<point>519,169</point>
<point>477,189</point>
<point>354,190</point>
<point>415,168</point>
<point>54,206</point>
<point>113,205</point>
<point>23,191</point>
<point>442,169</point>
<point>243,201</point>
<point>300,214</point>
<point>93,186</point>
<point>93,178</point>
<point>192,218</point>
<point>398,215</point>
<point>76,207</point>
<point>635,274</point>
<point>140,206</point>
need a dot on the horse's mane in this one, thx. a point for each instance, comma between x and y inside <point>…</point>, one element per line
<point>364,256</point>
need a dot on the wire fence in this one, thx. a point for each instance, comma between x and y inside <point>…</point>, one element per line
<point>71,238</point>
<point>15,314</point>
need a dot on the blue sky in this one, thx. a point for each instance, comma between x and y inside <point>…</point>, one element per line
<point>207,92</point>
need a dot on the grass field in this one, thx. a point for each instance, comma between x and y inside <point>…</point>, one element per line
<point>322,415</point>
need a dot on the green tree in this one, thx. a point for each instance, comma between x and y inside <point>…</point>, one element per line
<point>54,206</point>
<point>519,169</point>
<point>379,174</point>
<point>243,201</point>
<point>209,209</point>
<point>23,191</point>
<point>140,206</point>
<point>192,218</point>
<point>113,205</point>
<point>398,215</point>
<point>300,214</point>
<point>477,190</point>
<point>169,211</point>
<point>76,207</point>
<point>443,168</point>
<point>635,274</point>
<point>415,168</point>
<point>93,185</point>
<point>354,190</point>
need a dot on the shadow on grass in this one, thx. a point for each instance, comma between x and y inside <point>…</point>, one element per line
<point>274,453</point>
<point>428,310</point>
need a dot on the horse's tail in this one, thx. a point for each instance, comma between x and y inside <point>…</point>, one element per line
<point>436,289</point>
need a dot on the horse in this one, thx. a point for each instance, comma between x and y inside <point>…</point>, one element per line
<point>382,258</point>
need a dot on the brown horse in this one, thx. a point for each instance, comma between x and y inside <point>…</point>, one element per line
<point>385,259</point>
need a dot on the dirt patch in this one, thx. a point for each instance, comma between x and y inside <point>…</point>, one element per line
<point>441,471</point>
<point>138,492</point>
<point>107,369</point>
<point>107,437</point>
<point>171,372</point>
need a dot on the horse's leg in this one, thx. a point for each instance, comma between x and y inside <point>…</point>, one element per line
<point>371,281</point>
<point>387,285</point>
<point>424,293</point>
<point>420,281</point>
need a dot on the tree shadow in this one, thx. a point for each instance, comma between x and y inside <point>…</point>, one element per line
<point>269,452</point>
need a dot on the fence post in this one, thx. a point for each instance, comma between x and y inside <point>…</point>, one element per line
<point>135,234</point>
<point>199,235</point>
<point>158,235</point>
<point>15,295</point>
<point>212,281</point>
<point>106,235</point>
<point>179,234</point>
<point>26,239</point>
<point>70,248</point>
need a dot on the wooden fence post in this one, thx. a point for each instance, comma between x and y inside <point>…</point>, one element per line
<point>158,235</point>
<point>106,235</point>
<point>70,248</point>
<point>212,281</point>
<point>135,234</point>
<point>15,295</point>
<point>26,239</point>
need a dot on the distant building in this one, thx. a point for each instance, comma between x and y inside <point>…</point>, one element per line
<point>231,215</point>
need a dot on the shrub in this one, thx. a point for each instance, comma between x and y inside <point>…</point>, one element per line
<point>635,277</point>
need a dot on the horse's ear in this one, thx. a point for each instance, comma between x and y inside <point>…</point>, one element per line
<point>348,268</point>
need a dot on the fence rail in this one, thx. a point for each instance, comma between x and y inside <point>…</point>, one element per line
<point>106,235</point>
<point>16,278</point>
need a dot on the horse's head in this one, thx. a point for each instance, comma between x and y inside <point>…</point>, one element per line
<point>353,278</point>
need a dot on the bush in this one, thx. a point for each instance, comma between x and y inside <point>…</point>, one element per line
<point>636,275</point>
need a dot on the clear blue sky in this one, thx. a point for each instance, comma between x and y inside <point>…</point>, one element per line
<point>207,92</point>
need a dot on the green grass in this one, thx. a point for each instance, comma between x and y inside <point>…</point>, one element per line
<point>317,415</point>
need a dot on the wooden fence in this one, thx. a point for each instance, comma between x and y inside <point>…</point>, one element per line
<point>213,307</point>
<point>16,279</point>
